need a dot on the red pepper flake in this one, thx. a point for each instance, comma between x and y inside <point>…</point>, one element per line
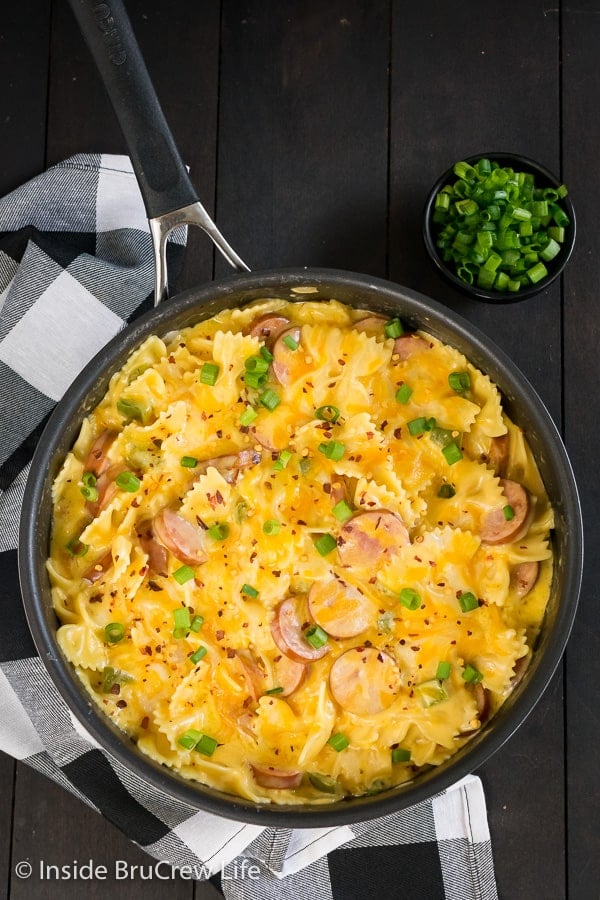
<point>145,722</point>
<point>268,485</point>
<point>383,424</point>
<point>219,433</point>
<point>116,688</point>
<point>342,362</point>
<point>397,433</point>
<point>416,648</point>
<point>230,653</point>
<point>121,704</point>
<point>219,634</point>
<point>96,598</point>
<point>327,487</point>
<point>147,650</point>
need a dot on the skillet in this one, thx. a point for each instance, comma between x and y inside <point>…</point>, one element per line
<point>171,200</point>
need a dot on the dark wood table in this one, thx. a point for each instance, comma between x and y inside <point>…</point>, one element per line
<point>313,131</point>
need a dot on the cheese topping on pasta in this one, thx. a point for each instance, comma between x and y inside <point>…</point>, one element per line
<point>299,553</point>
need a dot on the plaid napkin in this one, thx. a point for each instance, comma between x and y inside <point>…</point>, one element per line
<point>75,266</point>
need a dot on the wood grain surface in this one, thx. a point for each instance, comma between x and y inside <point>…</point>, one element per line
<point>313,132</point>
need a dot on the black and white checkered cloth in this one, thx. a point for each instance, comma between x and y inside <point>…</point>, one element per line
<point>75,266</point>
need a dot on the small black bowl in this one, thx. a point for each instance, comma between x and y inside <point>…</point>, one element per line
<point>543,178</point>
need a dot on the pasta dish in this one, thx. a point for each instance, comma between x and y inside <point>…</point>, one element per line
<point>299,552</point>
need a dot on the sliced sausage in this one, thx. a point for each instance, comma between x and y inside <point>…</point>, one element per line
<point>155,551</point>
<point>371,325</point>
<point>254,676</point>
<point>283,355</point>
<point>370,537</point>
<point>519,669</point>
<point>107,489</point>
<point>100,567</point>
<point>230,464</point>
<point>270,777</point>
<point>97,461</point>
<point>524,577</point>
<point>342,610</point>
<point>288,675</point>
<point>498,453</point>
<point>182,539</point>
<point>482,699</point>
<point>268,327</point>
<point>497,529</point>
<point>288,634</point>
<point>339,490</point>
<point>407,345</point>
<point>364,680</point>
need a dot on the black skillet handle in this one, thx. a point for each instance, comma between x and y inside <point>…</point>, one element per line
<point>160,171</point>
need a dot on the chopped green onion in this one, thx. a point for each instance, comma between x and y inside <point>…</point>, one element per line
<point>248,590</point>
<point>468,601</point>
<point>127,481</point>
<point>90,493</point>
<point>114,632</point>
<point>325,544</point>
<point>485,213</point>
<point>189,739</point>
<point>324,783</point>
<point>537,272</point>
<point>271,526</point>
<point>198,654</point>
<point>266,354</point>
<point>219,531</point>
<point>183,574</point>
<point>129,409</point>
<point>400,755</point>
<point>206,745</point>
<point>275,690</point>
<point>328,413</point>
<point>89,479</point>
<point>404,393</point>
<point>393,328</point>
<point>410,598</point>
<point>248,416</point>
<point>443,670</point>
<point>108,678</point>
<point>270,399</point>
<point>240,513</point>
<point>342,511</point>
<point>332,449</point>
<point>316,637</point>
<point>417,426</point>
<point>509,512</point>
<point>179,633</point>
<point>74,547</point>
<point>471,674</point>
<point>256,364</point>
<point>255,380</point>
<point>196,624</point>
<point>452,453</point>
<point>209,373</point>
<point>446,491</point>
<point>442,436</point>
<point>305,465</point>
<point>459,381</point>
<point>431,692</point>
<point>188,462</point>
<point>282,460</point>
<point>290,342</point>
<point>181,617</point>
<point>338,741</point>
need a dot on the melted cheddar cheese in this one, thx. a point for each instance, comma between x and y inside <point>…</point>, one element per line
<point>317,578</point>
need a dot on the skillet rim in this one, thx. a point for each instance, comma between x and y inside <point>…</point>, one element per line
<point>192,305</point>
